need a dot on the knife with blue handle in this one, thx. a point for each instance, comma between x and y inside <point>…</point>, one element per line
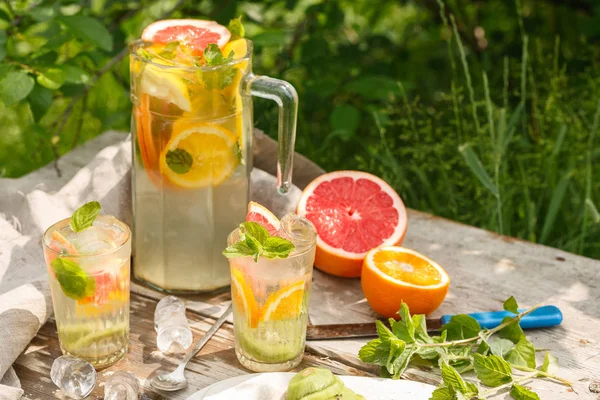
<point>543,317</point>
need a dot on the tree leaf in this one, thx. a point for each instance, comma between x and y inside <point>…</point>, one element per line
<point>15,86</point>
<point>511,305</point>
<point>344,120</point>
<point>75,74</point>
<point>374,87</point>
<point>522,354</point>
<point>492,370</point>
<point>550,364</point>
<point>51,78</point>
<point>476,167</point>
<point>461,326</point>
<point>88,29</point>
<point>519,392</point>
<point>512,332</point>
<point>501,347</point>
<point>40,99</point>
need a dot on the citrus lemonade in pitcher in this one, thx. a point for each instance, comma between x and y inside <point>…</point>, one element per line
<point>191,88</point>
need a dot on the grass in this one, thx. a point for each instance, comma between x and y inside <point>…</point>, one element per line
<point>525,160</point>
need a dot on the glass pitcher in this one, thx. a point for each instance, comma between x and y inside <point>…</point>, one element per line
<point>192,157</point>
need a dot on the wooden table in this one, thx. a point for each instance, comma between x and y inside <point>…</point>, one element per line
<point>485,269</point>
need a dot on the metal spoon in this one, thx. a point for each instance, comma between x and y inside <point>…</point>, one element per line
<point>176,380</point>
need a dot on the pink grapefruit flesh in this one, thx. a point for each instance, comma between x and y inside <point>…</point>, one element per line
<point>260,214</point>
<point>194,33</point>
<point>353,213</point>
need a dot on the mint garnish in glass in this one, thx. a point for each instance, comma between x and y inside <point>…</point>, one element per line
<point>84,216</point>
<point>255,241</point>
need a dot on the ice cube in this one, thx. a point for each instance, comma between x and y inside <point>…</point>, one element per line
<point>299,230</point>
<point>76,377</point>
<point>171,324</point>
<point>92,240</point>
<point>121,385</point>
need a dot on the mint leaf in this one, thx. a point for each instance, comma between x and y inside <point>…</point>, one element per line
<point>456,384</point>
<point>461,326</point>
<point>213,55</point>
<point>401,361</point>
<point>237,151</point>
<point>404,329</point>
<point>501,347</point>
<point>442,393</point>
<point>145,54</point>
<point>512,332</point>
<point>236,28</point>
<point>168,51</point>
<point>550,364</point>
<point>492,370</point>
<point>179,161</point>
<point>522,354</point>
<point>256,231</point>
<point>511,305</point>
<point>84,216</point>
<point>519,392</point>
<point>239,249</point>
<point>276,247</point>
<point>73,280</point>
<point>373,352</point>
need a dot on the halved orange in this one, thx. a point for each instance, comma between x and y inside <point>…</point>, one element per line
<point>392,275</point>
<point>243,297</point>
<point>286,303</point>
<point>212,149</point>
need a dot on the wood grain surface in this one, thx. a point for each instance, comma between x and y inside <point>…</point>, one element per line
<point>485,269</point>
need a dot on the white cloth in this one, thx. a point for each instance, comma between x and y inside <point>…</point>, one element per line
<point>99,170</point>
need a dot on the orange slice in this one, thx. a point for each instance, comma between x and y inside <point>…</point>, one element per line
<point>392,275</point>
<point>243,297</point>
<point>286,303</point>
<point>212,149</point>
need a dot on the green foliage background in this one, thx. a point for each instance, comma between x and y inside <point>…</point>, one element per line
<point>483,112</point>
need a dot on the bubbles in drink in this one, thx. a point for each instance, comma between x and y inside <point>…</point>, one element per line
<point>121,385</point>
<point>74,376</point>
<point>171,325</point>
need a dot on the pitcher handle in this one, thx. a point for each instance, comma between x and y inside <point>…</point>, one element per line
<point>284,94</point>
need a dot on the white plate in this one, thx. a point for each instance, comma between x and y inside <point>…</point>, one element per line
<point>273,385</point>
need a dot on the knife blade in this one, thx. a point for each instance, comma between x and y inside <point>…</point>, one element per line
<point>543,317</point>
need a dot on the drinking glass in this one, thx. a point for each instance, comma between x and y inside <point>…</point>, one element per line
<point>89,280</point>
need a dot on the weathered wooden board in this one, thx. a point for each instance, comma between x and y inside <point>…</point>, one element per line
<point>485,269</point>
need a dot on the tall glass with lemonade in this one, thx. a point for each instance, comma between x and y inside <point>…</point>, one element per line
<point>271,272</point>
<point>88,260</point>
<point>191,86</point>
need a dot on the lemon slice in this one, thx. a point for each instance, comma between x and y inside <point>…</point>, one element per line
<point>167,86</point>
<point>211,148</point>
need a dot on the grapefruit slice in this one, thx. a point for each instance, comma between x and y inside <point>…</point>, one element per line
<point>195,34</point>
<point>260,214</point>
<point>353,213</point>
<point>392,275</point>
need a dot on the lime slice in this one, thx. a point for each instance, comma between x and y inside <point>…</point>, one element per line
<point>78,337</point>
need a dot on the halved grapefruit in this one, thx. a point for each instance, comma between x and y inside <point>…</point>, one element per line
<point>353,213</point>
<point>260,214</point>
<point>195,34</point>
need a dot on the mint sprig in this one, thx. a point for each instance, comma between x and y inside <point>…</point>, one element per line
<point>462,346</point>
<point>84,216</point>
<point>73,280</point>
<point>255,241</point>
